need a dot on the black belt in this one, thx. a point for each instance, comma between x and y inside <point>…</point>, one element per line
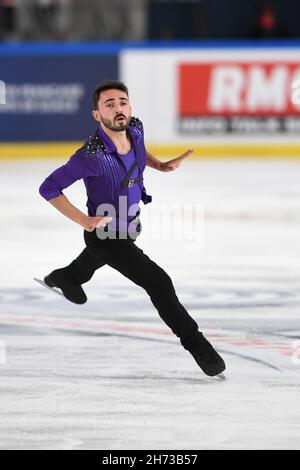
<point>130,182</point>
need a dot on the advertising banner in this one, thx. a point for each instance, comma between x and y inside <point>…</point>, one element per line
<point>215,95</point>
<point>238,97</point>
<point>48,97</point>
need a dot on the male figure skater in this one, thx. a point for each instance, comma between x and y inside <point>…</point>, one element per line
<point>111,165</point>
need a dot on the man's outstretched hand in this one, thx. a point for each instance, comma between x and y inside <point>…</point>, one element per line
<point>172,165</point>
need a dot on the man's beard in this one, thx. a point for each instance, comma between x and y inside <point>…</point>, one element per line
<point>114,125</point>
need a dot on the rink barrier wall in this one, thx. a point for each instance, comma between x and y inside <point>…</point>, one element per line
<point>78,63</point>
<point>63,150</point>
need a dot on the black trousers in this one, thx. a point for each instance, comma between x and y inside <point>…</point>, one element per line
<point>133,263</point>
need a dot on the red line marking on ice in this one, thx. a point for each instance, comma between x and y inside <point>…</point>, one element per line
<point>81,324</point>
<point>277,346</point>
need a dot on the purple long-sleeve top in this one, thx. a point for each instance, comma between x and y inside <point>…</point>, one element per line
<point>102,170</point>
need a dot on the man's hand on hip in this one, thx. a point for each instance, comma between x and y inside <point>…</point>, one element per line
<point>90,223</point>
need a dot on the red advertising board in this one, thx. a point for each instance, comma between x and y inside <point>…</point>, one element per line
<point>238,96</point>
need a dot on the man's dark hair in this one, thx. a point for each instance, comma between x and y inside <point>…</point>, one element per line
<point>107,85</point>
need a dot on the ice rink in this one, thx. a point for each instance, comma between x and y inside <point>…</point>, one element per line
<point>109,374</point>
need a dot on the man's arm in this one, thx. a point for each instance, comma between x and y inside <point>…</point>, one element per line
<point>153,162</point>
<point>166,166</point>
<point>63,205</point>
<point>63,177</point>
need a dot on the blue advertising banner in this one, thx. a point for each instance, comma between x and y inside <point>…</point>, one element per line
<point>48,92</point>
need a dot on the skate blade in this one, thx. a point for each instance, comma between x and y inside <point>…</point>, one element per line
<point>48,287</point>
<point>221,376</point>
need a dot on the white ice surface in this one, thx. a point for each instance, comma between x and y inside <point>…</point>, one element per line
<point>109,374</point>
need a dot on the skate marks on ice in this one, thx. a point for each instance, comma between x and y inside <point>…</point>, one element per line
<point>107,375</point>
<point>191,296</point>
<point>256,325</point>
<point>111,392</point>
<point>271,351</point>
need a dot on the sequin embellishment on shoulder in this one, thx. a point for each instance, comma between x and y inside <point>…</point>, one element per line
<point>136,123</point>
<point>93,145</point>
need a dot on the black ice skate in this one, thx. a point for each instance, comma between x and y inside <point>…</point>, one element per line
<point>58,279</point>
<point>207,357</point>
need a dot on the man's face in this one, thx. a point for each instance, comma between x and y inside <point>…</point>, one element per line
<point>114,110</point>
